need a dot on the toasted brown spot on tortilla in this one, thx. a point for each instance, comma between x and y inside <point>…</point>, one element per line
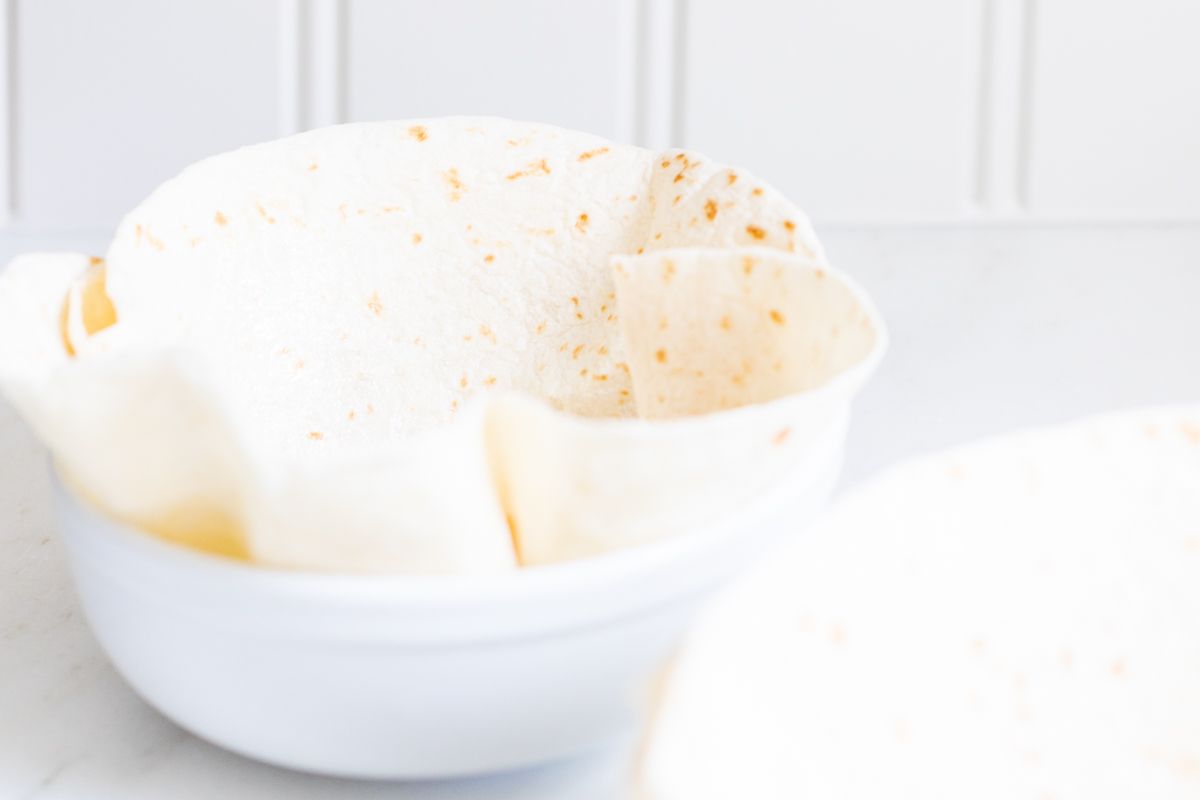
<point>789,225</point>
<point>95,261</point>
<point>418,132</point>
<point>657,236</point>
<point>756,232</point>
<point>710,209</point>
<point>457,187</point>
<point>489,258</point>
<point>600,377</point>
<point>678,178</point>
<point>678,197</point>
<point>262,212</point>
<point>592,153</point>
<point>351,414</point>
<point>776,316</point>
<point>1191,431</point>
<point>575,301</point>
<point>621,365</point>
<point>757,191</point>
<point>316,436</point>
<point>666,164</point>
<point>375,304</point>
<point>575,353</point>
<point>661,356</point>
<point>582,223</point>
<point>583,372</point>
<point>539,167</point>
<point>747,265</point>
<point>490,380</point>
<point>818,274</point>
<point>416,238</point>
<point>624,393</point>
<point>541,327</point>
<point>732,179</point>
<point>726,323</point>
<point>602,350</point>
<point>668,271</point>
<point>462,381</point>
<point>641,250</point>
<point>486,333</point>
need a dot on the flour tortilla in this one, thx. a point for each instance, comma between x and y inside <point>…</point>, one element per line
<point>1015,619</point>
<point>336,301</point>
<point>782,338</point>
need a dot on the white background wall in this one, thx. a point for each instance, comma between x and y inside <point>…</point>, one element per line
<point>862,110</point>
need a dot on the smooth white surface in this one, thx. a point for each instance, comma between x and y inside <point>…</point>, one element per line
<point>801,91</point>
<point>861,110</point>
<point>1114,120</point>
<point>112,98</point>
<point>430,59</point>
<point>991,329</point>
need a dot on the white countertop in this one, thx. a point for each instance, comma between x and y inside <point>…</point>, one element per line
<point>992,329</point>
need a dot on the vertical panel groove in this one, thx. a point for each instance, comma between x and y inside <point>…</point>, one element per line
<point>325,63</point>
<point>983,107</point>
<point>661,79</point>
<point>1024,156</point>
<point>629,71</point>
<point>8,159</point>
<point>292,73</point>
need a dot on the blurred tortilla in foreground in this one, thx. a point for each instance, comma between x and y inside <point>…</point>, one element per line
<point>1012,620</point>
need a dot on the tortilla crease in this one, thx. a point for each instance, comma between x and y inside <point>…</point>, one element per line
<point>385,347</point>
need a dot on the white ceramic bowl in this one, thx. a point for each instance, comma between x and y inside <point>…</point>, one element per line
<point>411,676</point>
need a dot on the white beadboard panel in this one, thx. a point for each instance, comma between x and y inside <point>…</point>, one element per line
<point>541,60</point>
<point>860,110</point>
<point>114,97</point>
<point>1115,120</point>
